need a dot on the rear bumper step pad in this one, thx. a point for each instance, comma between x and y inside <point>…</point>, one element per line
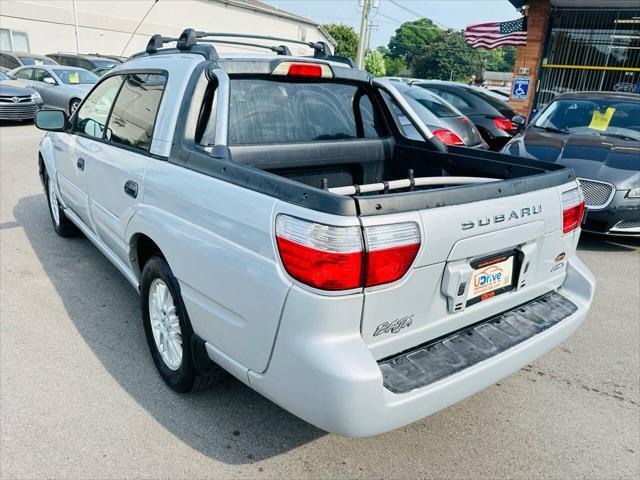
<point>449,355</point>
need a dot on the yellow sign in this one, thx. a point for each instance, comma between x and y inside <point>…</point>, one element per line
<point>75,78</point>
<point>600,121</point>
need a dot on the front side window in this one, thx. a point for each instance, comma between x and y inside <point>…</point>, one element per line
<point>134,112</point>
<point>270,112</point>
<point>40,75</point>
<point>92,116</point>
<point>75,77</point>
<point>24,74</point>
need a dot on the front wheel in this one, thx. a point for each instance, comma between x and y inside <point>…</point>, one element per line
<point>169,333</point>
<point>73,106</point>
<point>61,224</point>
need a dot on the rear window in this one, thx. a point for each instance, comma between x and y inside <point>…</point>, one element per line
<point>433,103</point>
<point>36,61</point>
<point>268,112</point>
<point>493,101</point>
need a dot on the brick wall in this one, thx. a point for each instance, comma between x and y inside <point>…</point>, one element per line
<point>530,55</point>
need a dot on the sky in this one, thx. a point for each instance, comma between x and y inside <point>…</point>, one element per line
<point>390,14</point>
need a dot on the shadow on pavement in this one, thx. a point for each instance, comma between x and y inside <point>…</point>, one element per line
<point>603,243</point>
<point>15,123</point>
<point>230,422</point>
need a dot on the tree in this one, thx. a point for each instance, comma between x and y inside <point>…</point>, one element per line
<point>374,64</point>
<point>345,37</point>
<point>412,39</point>
<point>447,58</point>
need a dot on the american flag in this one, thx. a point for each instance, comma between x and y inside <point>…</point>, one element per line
<point>497,34</point>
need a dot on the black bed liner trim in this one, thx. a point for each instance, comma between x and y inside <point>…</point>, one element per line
<point>438,359</point>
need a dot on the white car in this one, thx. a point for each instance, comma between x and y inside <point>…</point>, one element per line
<point>279,226</point>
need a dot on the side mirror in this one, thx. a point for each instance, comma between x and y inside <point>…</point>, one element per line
<point>52,120</point>
<point>50,81</point>
<point>519,120</point>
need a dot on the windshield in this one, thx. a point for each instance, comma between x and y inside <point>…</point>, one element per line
<point>75,77</point>
<point>598,116</point>
<point>4,76</point>
<point>36,61</point>
<point>436,105</point>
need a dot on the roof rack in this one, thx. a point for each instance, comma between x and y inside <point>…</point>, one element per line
<point>190,37</point>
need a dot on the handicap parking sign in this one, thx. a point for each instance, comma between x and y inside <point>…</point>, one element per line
<point>520,89</point>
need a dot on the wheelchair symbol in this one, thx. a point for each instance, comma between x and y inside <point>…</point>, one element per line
<point>520,91</point>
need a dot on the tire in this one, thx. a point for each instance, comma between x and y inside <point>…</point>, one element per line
<point>61,224</point>
<point>184,369</point>
<point>73,105</point>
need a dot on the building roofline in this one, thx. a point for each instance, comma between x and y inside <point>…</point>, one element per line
<point>270,10</point>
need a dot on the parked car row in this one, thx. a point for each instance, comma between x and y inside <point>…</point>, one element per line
<point>57,80</point>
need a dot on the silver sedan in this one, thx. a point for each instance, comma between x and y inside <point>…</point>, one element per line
<point>59,86</point>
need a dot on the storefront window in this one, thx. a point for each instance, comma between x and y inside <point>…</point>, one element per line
<point>591,50</point>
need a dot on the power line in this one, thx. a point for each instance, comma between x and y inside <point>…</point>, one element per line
<point>419,15</point>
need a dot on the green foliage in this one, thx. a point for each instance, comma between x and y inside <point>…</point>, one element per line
<point>374,64</point>
<point>393,66</point>
<point>411,38</point>
<point>432,52</point>
<point>447,58</point>
<point>346,38</point>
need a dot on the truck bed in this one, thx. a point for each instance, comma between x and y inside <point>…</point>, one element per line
<point>324,166</point>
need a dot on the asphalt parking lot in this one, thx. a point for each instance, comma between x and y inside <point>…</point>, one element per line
<point>80,397</point>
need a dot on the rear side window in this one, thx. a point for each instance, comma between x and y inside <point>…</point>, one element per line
<point>134,111</point>
<point>266,112</point>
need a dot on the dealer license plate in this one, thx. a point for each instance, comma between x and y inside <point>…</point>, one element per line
<point>491,277</point>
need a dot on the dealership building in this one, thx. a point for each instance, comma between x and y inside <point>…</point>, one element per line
<point>576,45</point>
<point>123,27</point>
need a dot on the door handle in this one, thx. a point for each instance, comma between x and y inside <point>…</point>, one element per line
<point>131,188</point>
<point>80,163</point>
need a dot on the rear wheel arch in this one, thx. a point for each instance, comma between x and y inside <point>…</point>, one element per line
<point>142,249</point>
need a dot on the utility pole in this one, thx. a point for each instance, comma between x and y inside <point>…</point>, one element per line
<point>372,26</point>
<point>364,27</point>
<point>75,21</point>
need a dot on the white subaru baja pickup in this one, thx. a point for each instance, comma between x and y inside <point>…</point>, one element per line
<point>279,226</point>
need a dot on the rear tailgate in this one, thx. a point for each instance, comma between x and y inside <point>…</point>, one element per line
<point>476,260</point>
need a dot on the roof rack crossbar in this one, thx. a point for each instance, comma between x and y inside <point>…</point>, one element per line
<point>189,37</point>
<point>280,49</point>
<point>321,49</point>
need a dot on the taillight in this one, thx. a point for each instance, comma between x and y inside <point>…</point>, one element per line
<point>572,210</point>
<point>504,124</point>
<point>300,69</point>
<point>448,137</point>
<point>321,256</point>
<point>391,249</point>
<point>465,120</point>
<point>334,258</point>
